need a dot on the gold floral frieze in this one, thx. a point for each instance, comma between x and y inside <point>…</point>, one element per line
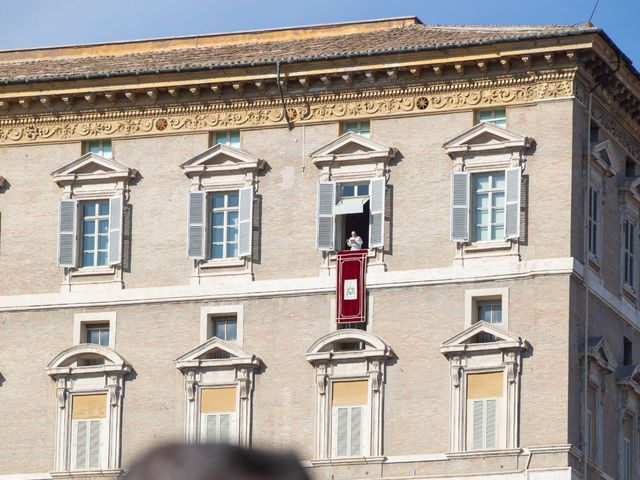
<point>301,109</point>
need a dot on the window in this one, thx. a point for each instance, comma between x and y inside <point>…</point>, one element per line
<point>490,311</point>
<point>485,378</point>
<point>591,435</point>
<point>225,328</point>
<point>490,305</point>
<point>630,168</point>
<point>95,234</point>
<point>627,348</point>
<point>217,414</point>
<point>488,205</point>
<point>88,430</point>
<point>349,406</point>
<point>98,333</point>
<point>353,200</point>
<point>484,396</point>
<point>350,390</point>
<point>88,412</point>
<point>224,224</point>
<point>361,127</point>
<point>99,147</point>
<point>628,252</point>
<point>231,138</point>
<point>496,117</point>
<point>594,221</point>
<point>626,455</point>
<point>219,383</point>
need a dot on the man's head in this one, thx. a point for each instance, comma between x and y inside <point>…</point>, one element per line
<point>354,234</point>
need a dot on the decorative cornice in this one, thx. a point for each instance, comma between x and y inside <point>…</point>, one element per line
<point>302,108</point>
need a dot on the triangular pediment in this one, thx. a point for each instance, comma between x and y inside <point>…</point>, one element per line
<point>217,352</point>
<point>352,145</point>
<point>600,352</point>
<point>605,154</point>
<point>482,336</point>
<point>92,166</point>
<point>221,158</point>
<point>486,137</point>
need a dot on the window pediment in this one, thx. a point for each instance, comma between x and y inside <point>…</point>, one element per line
<point>485,137</point>
<point>607,158</point>
<point>92,168</point>
<point>352,148</point>
<point>599,351</point>
<point>221,160</point>
<point>66,362</point>
<point>468,340</point>
<point>629,375</point>
<point>327,347</point>
<point>201,356</point>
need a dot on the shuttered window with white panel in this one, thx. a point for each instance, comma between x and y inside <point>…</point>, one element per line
<point>67,233</point>
<point>348,431</point>
<point>512,207</point>
<point>325,216</point>
<point>245,223</point>
<point>217,427</point>
<point>115,230</point>
<point>218,417</point>
<point>484,424</point>
<point>460,207</point>
<point>86,444</point>
<point>484,407</point>
<point>196,225</point>
<point>376,220</point>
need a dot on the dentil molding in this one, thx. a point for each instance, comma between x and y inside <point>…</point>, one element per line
<point>301,109</point>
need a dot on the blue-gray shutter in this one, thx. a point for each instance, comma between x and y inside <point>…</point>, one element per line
<point>67,233</point>
<point>491,422</point>
<point>512,203</point>
<point>326,218</point>
<point>356,432</point>
<point>115,230</point>
<point>376,212</point>
<point>94,444</point>
<point>81,445</point>
<point>197,221</point>
<point>460,206</point>
<point>245,217</point>
<point>342,439</point>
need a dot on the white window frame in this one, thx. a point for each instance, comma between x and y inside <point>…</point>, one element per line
<point>470,423</point>
<point>359,129</point>
<point>101,143</point>
<point>82,320</point>
<point>629,289</point>
<point>595,253</point>
<point>102,447</point>
<point>350,365</point>
<point>225,210</point>
<point>72,377</point>
<point>236,369</point>
<point>364,430</point>
<point>472,297</point>
<point>474,206</point>
<point>212,172</point>
<point>207,313</point>
<point>228,141</point>
<point>204,419</point>
<point>465,358</point>
<point>494,119</point>
<point>82,218</point>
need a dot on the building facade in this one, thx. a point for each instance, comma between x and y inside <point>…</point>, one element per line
<point>171,212</point>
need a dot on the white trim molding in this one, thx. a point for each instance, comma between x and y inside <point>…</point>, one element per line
<point>81,320</point>
<point>72,378</point>
<point>212,311</point>
<point>468,354</point>
<point>331,365</point>
<point>471,297</point>
<point>216,363</point>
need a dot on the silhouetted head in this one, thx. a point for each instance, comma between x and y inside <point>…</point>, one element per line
<point>214,462</point>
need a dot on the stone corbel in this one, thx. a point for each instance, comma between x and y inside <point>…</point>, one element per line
<point>61,392</point>
<point>321,378</point>
<point>190,385</point>
<point>244,382</point>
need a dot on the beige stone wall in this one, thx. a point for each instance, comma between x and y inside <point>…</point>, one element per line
<point>413,321</point>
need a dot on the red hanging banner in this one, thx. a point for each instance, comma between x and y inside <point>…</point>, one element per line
<point>351,288</point>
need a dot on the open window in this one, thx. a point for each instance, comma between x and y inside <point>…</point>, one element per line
<point>484,362</point>
<point>350,391</point>
<point>89,390</point>
<point>219,379</point>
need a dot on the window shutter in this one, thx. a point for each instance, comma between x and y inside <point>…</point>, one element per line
<point>115,230</point>
<point>376,212</point>
<point>356,431</point>
<point>67,233</point>
<point>490,424</point>
<point>512,204</point>
<point>245,222</point>
<point>81,445</point>
<point>326,220</point>
<point>343,432</point>
<point>197,225</point>
<point>225,428</point>
<point>460,207</point>
<point>478,421</point>
<point>211,428</point>
<point>94,444</point>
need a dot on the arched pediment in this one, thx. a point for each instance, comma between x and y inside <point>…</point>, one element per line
<point>221,159</point>
<point>67,360</point>
<point>485,137</point>
<point>330,345</point>
<point>92,167</point>
<point>352,147</point>
<point>482,336</point>
<point>216,352</point>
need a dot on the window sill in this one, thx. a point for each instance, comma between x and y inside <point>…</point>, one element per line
<point>230,262</point>
<point>488,246</point>
<point>91,271</point>
<point>497,452</point>
<point>88,474</point>
<point>629,294</point>
<point>594,263</point>
<point>363,460</point>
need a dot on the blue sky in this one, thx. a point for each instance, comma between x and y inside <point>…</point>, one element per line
<point>33,23</point>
